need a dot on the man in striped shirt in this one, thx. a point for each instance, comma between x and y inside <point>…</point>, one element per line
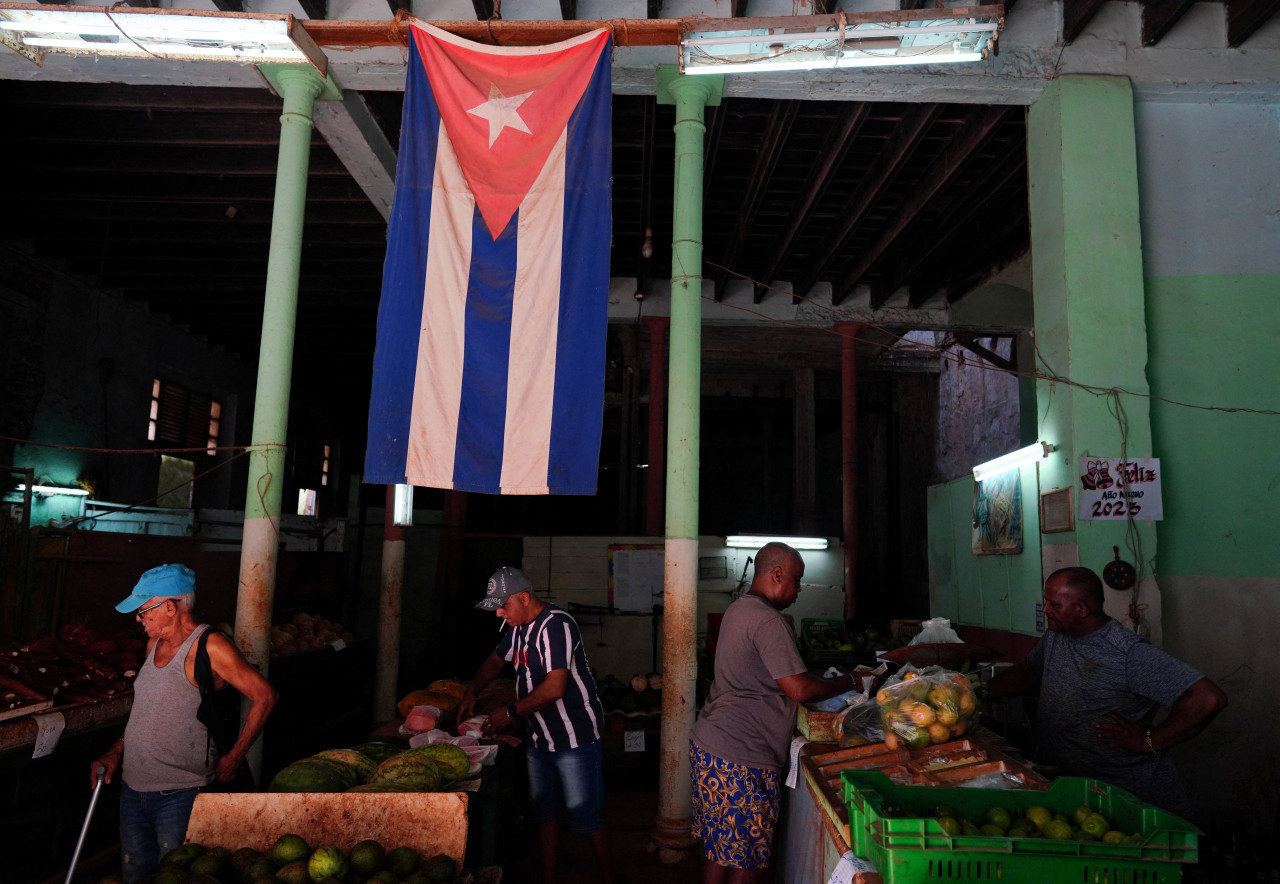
<point>556,693</point>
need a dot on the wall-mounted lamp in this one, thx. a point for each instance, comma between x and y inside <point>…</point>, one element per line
<point>53,490</point>
<point>402,509</point>
<point>755,541</point>
<point>1012,460</point>
<point>842,40</point>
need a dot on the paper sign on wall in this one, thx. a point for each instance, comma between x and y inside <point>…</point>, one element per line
<point>1112,488</point>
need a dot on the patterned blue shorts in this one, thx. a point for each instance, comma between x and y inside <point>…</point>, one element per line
<point>735,809</point>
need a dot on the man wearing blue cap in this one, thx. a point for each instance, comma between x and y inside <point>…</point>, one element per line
<point>167,755</point>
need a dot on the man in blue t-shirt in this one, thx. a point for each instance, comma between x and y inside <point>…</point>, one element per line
<point>556,693</point>
<point>1100,688</point>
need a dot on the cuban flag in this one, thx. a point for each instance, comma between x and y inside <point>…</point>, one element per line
<point>489,369</point>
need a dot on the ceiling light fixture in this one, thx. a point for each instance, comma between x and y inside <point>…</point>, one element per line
<point>158,33</point>
<point>53,490</point>
<point>842,40</point>
<point>755,541</point>
<point>402,507</point>
<point>1012,460</point>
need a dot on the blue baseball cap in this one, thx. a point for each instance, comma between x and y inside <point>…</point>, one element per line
<point>161,582</point>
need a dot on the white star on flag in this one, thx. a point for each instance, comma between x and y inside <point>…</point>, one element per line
<point>501,112</point>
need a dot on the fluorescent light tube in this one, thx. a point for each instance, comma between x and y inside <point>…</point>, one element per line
<point>1012,460</point>
<point>755,541</point>
<point>49,490</point>
<point>402,509</point>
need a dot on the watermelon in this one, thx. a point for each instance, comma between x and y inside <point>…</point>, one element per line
<point>362,764</point>
<point>452,759</point>
<point>381,787</point>
<point>418,773</point>
<point>379,752</point>
<point>314,775</point>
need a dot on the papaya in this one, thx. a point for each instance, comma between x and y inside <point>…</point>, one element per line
<point>448,686</point>
<point>314,775</point>
<point>442,701</point>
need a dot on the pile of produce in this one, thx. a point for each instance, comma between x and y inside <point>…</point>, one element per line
<point>292,861</point>
<point>445,694</point>
<point>923,706</point>
<point>376,767</point>
<point>305,632</point>
<point>641,693</point>
<point>76,666</point>
<point>1083,824</point>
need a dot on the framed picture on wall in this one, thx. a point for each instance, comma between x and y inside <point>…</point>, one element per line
<point>997,515</point>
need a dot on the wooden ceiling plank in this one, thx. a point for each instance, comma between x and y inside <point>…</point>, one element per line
<point>1076,15</point>
<point>1001,173</point>
<point>773,141</point>
<point>1159,17</point>
<point>820,176</point>
<point>1244,17</point>
<point>900,145</point>
<point>959,150</point>
<point>653,31</point>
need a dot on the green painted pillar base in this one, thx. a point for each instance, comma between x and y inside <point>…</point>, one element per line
<point>1090,314</point>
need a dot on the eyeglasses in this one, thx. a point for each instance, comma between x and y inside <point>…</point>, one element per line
<point>142,611</point>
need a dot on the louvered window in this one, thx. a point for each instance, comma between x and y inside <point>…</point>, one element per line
<point>183,419</point>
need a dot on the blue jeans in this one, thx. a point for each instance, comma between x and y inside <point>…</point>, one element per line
<point>151,824</point>
<point>571,780</point>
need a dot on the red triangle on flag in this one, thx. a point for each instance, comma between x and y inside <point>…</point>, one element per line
<point>504,108</point>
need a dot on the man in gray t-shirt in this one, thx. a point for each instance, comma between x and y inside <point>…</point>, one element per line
<point>738,746</point>
<point>1100,688</point>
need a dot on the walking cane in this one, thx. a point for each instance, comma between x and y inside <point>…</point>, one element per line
<point>84,830</point>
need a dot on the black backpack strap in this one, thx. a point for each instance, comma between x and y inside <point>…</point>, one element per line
<point>207,714</point>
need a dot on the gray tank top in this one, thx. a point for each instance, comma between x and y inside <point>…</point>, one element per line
<point>165,747</point>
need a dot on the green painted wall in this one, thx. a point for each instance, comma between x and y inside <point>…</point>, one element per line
<point>999,592</point>
<point>1213,342</point>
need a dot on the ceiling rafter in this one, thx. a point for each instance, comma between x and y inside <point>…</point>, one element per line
<point>1244,17</point>
<point>900,145</point>
<point>916,253</point>
<point>1159,16</point>
<point>970,343</point>
<point>960,148</point>
<point>772,142</point>
<point>1002,242</point>
<point>1076,15</point>
<point>820,175</point>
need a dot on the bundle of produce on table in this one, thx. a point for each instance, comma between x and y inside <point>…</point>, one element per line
<point>923,706</point>
<point>291,860</point>
<point>446,694</point>
<point>78,665</point>
<point>640,693</point>
<point>1083,823</point>
<point>377,767</point>
<point>305,632</point>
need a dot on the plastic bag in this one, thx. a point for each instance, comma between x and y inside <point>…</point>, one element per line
<point>862,675</point>
<point>923,706</point>
<point>860,725</point>
<point>937,631</point>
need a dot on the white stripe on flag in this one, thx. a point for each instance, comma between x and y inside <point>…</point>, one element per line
<point>437,388</point>
<point>535,323</point>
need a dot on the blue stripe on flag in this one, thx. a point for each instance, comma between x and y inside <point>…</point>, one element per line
<point>482,415</point>
<point>400,311</point>
<point>584,286</point>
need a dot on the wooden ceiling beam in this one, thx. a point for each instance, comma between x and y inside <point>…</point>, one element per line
<point>970,343</point>
<point>959,150</point>
<point>1004,171</point>
<point>1076,15</point>
<point>1159,16</point>
<point>773,141</point>
<point>820,176</point>
<point>1244,17</point>
<point>916,120</point>
<point>626,32</point>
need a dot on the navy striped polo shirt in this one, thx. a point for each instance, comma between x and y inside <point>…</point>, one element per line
<point>549,642</point>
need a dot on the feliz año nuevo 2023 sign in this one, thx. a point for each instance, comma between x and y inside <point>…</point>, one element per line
<point>1111,488</point>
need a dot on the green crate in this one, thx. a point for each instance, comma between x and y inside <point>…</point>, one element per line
<point>891,826</point>
<point>812,628</point>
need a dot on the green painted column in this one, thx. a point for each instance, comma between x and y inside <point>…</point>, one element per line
<point>299,86</point>
<point>1090,313</point>
<point>690,95</point>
